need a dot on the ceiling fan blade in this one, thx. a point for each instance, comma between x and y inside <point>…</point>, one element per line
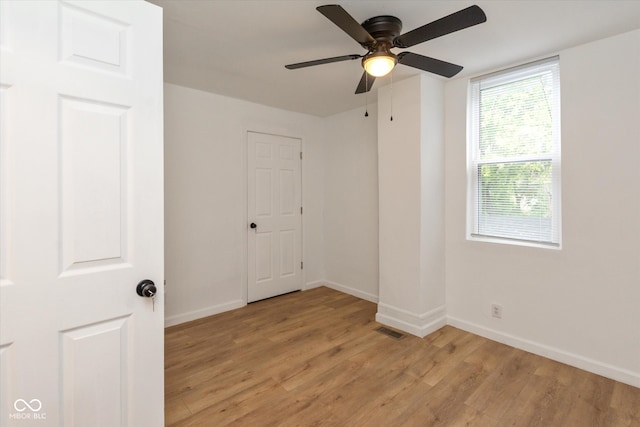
<point>336,14</point>
<point>321,61</point>
<point>460,20</point>
<point>366,81</point>
<point>431,65</point>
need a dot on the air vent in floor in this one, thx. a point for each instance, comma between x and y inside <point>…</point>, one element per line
<point>390,332</point>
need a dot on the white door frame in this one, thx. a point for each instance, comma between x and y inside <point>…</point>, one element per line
<point>245,217</point>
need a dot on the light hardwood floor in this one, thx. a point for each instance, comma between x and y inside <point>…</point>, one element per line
<point>315,358</point>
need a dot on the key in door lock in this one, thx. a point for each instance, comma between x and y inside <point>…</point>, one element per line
<point>146,288</point>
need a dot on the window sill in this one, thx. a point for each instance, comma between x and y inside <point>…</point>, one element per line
<point>515,242</point>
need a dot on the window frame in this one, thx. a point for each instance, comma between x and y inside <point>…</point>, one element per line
<point>474,162</point>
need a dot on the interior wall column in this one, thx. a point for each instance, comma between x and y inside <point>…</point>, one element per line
<point>411,205</point>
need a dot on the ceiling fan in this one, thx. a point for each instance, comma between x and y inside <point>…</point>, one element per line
<point>382,33</point>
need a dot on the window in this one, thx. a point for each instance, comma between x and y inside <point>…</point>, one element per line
<point>514,155</point>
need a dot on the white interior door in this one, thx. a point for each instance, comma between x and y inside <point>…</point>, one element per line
<point>275,209</point>
<point>81,213</point>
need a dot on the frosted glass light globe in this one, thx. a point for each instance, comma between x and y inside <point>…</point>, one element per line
<point>379,66</point>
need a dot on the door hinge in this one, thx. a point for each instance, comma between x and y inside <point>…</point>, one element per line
<point>301,265</point>
<point>300,210</point>
<point>301,155</point>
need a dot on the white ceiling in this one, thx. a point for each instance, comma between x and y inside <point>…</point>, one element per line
<point>238,48</point>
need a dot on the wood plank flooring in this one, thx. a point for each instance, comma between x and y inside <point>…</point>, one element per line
<point>314,358</point>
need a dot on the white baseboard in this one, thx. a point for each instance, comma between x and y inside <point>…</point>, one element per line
<point>348,290</point>
<point>419,325</point>
<point>314,284</point>
<point>203,312</point>
<point>581,362</point>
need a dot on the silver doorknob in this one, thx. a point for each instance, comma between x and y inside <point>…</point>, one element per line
<point>146,288</point>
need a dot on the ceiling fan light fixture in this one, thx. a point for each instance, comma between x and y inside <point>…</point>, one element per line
<point>379,34</point>
<point>379,63</point>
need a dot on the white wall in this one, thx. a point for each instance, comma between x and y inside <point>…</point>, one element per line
<point>399,186</point>
<point>432,239</point>
<point>351,203</point>
<point>205,197</point>
<point>581,304</point>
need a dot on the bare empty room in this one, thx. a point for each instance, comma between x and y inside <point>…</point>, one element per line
<point>369,213</point>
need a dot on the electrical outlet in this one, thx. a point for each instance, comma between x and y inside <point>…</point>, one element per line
<point>496,311</point>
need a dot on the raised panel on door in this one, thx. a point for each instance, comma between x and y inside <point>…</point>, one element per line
<point>263,193</point>
<point>96,354</point>
<point>5,200</point>
<point>287,192</point>
<point>94,183</point>
<point>94,41</point>
<point>7,369</point>
<point>264,257</point>
<point>287,253</point>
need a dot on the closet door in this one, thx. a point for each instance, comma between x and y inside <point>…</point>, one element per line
<point>275,216</point>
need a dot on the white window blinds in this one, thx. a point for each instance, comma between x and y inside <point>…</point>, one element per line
<point>514,154</point>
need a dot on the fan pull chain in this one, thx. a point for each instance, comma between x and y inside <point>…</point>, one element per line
<point>391,97</point>
<point>366,95</point>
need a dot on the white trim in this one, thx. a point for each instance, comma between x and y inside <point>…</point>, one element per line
<point>498,77</point>
<point>244,229</point>
<point>314,284</point>
<point>203,312</point>
<point>581,362</point>
<point>475,162</point>
<point>419,325</point>
<point>351,291</point>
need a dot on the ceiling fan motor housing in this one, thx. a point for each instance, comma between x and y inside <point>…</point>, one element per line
<point>383,28</point>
